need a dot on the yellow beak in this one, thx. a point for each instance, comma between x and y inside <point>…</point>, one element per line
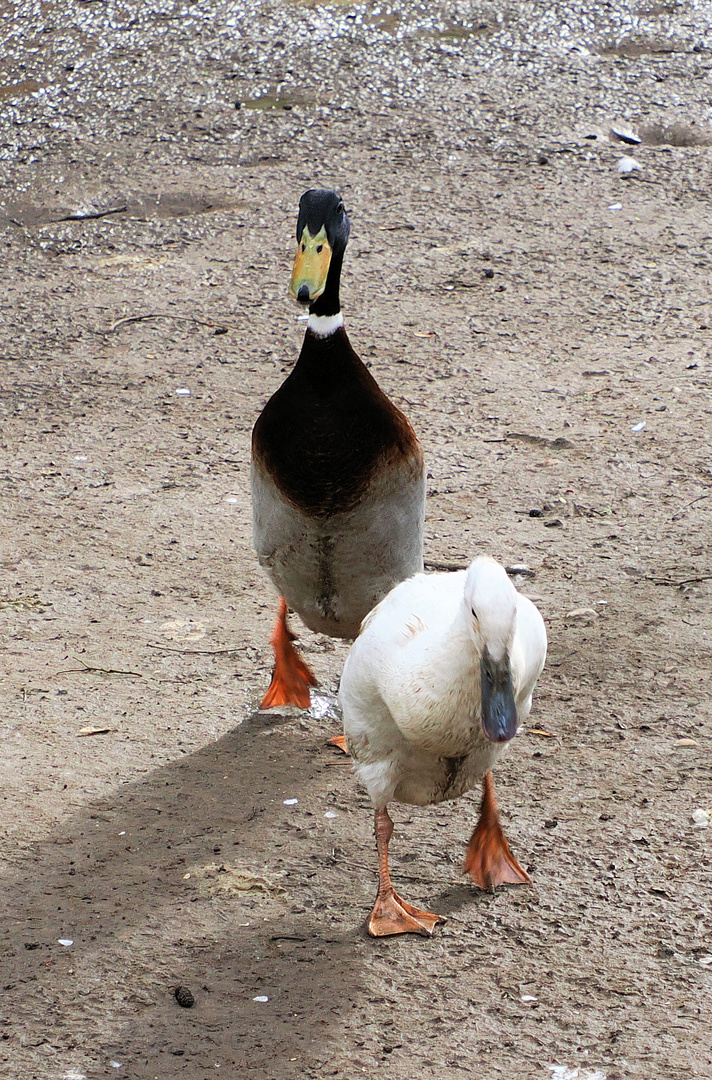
<point>311,266</point>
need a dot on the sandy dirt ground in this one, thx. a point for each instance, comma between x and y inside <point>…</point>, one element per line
<point>530,308</point>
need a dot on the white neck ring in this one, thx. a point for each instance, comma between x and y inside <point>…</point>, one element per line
<point>325,325</point>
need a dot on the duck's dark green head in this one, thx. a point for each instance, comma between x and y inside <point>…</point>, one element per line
<point>322,236</point>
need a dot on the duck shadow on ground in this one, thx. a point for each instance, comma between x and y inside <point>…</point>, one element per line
<point>114,879</point>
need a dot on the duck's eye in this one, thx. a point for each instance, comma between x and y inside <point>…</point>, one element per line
<point>304,247</point>
<point>319,249</point>
<point>474,613</point>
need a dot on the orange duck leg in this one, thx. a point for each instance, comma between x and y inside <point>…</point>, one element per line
<point>292,677</point>
<point>391,914</point>
<point>489,860</point>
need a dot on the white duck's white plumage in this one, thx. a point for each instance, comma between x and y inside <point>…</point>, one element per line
<point>410,690</point>
<point>412,693</point>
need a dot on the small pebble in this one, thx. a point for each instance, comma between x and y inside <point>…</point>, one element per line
<point>627,165</point>
<point>626,135</point>
<point>639,426</point>
<point>184,997</point>
<point>291,802</point>
<point>66,941</point>
<point>581,613</point>
<point>519,570</point>
<point>183,392</point>
<point>261,997</point>
<point>701,818</point>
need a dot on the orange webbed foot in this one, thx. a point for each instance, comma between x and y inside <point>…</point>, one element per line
<point>292,677</point>
<point>489,860</point>
<point>393,915</point>
<point>340,741</point>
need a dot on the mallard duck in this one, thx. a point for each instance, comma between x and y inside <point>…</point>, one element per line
<point>434,687</point>
<point>338,481</point>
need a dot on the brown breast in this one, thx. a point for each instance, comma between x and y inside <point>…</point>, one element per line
<point>329,428</point>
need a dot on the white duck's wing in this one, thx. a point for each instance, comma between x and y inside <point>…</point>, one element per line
<point>400,690</point>
<point>403,676</point>
<point>528,653</point>
<point>374,739</point>
<point>398,642</point>
<point>422,606</point>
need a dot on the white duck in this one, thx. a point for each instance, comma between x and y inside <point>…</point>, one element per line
<point>436,684</point>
